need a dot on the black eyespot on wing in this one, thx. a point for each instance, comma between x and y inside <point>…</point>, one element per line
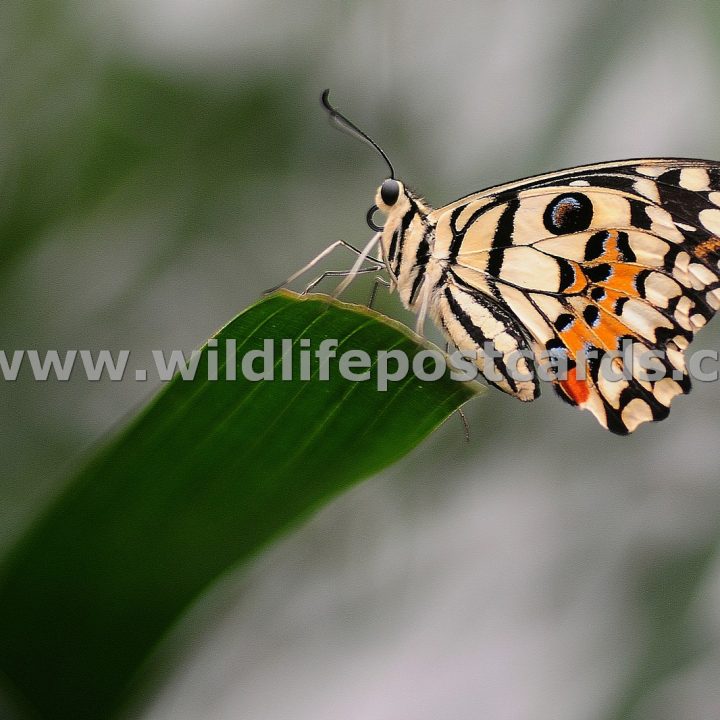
<point>623,245</point>
<point>591,315</point>
<point>390,191</point>
<point>563,321</point>
<point>567,274</point>
<point>568,213</point>
<point>598,273</point>
<point>595,246</point>
<point>556,347</point>
<point>597,294</point>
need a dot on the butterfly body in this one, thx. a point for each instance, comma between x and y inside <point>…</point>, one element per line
<point>568,264</point>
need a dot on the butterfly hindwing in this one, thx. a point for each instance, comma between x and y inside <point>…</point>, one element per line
<point>487,332</point>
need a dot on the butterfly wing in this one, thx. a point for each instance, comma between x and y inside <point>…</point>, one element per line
<point>587,260</point>
<point>476,322</point>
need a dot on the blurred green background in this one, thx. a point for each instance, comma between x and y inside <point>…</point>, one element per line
<point>161,163</point>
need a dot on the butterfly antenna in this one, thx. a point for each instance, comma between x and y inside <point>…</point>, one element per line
<point>352,129</point>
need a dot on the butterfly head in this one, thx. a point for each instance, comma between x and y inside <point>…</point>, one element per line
<point>406,223</point>
<point>404,231</point>
<point>393,200</point>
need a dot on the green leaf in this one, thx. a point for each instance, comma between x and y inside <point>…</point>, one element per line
<point>210,473</point>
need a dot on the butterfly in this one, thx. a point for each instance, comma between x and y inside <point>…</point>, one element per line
<point>576,260</point>
<point>573,264</point>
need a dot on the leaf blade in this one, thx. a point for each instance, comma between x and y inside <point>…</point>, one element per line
<point>200,482</point>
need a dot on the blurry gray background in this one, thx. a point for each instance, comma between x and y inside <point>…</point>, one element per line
<point>164,161</point>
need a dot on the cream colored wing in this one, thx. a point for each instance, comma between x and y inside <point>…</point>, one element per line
<point>585,259</point>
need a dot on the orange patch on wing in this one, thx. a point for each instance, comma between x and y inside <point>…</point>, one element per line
<point>577,390</point>
<point>608,332</point>
<point>580,280</point>
<point>603,335</point>
<point>610,328</point>
<point>707,247</point>
<point>608,302</point>
<point>623,279</point>
<point>576,337</point>
<point>611,253</point>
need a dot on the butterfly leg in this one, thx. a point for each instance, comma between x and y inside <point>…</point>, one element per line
<point>459,411</point>
<point>362,256</point>
<point>318,258</point>
<point>336,273</point>
<point>466,424</point>
<point>378,281</point>
<point>422,312</point>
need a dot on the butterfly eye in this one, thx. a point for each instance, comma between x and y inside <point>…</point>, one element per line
<point>390,191</point>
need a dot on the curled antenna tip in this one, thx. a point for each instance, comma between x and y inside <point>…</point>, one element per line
<point>325,100</point>
<point>351,128</point>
